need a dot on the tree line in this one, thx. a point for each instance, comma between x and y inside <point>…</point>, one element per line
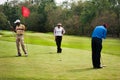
<point>78,18</point>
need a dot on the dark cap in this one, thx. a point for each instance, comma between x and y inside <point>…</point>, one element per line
<point>105,25</point>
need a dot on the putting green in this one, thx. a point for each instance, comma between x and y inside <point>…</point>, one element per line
<point>43,63</point>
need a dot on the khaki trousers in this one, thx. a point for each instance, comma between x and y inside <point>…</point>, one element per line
<point>20,41</point>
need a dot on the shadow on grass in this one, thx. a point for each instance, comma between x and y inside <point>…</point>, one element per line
<point>45,53</point>
<point>51,52</point>
<point>48,52</point>
<point>5,78</point>
<point>12,56</point>
<point>81,70</point>
<point>15,56</point>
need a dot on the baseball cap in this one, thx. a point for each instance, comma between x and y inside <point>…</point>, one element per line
<point>17,21</point>
<point>59,24</point>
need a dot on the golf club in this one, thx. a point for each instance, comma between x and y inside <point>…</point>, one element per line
<point>11,27</point>
<point>103,65</point>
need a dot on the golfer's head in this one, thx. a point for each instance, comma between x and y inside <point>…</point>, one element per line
<point>106,25</point>
<point>17,22</point>
<point>59,24</point>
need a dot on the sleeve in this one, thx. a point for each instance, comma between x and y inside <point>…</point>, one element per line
<point>23,27</point>
<point>54,31</point>
<point>104,34</point>
<point>63,31</point>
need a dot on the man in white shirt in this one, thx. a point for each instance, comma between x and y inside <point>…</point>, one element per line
<point>58,33</point>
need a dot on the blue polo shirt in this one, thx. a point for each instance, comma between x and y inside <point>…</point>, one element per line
<point>99,32</point>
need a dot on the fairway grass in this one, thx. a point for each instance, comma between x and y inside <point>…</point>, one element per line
<point>110,45</point>
<point>43,63</point>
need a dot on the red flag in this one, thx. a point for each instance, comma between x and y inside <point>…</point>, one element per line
<point>25,12</point>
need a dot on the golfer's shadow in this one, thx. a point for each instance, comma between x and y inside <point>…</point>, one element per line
<point>7,56</point>
<point>81,70</point>
<point>11,56</point>
<point>51,52</point>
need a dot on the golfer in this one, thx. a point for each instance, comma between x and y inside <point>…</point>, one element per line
<point>58,33</point>
<point>20,28</point>
<point>98,34</point>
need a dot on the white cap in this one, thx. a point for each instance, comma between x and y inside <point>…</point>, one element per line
<point>17,21</point>
<point>59,24</point>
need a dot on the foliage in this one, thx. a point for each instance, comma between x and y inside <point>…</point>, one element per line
<point>3,22</point>
<point>77,18</point>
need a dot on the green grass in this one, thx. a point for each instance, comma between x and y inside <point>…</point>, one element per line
<point>110,45</point>
<point>43,63</point>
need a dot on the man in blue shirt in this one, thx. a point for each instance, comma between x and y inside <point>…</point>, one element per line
<point>98,34</point>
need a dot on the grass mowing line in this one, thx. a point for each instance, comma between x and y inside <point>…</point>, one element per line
<point>42,64</point>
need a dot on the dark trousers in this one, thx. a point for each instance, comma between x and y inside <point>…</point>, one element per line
<point>96,51</point>
<point>58,40</point>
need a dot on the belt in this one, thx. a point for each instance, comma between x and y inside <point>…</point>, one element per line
<point>96,38</point>
<point>19,34</point>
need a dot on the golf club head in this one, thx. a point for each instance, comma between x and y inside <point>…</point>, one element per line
<point>103,65</point>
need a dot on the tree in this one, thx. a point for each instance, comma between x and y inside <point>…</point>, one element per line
<point>42,11</point>
<point>115,7</point>
<point>11,12</point>
<point>77,18</point>
<point>32,22</point>
<point>3,22</point>
<point>87,15</point>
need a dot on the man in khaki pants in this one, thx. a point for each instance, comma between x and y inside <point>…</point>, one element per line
<point>20,28</point>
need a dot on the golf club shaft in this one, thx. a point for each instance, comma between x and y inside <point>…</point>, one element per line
<point>11,28</point>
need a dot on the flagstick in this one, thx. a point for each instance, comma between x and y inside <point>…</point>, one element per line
<point>25,14</point>
<point>25,36</point>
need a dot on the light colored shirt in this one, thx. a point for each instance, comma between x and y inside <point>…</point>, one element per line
<point>59,31</point>
<point>20,29</point>
<point>99,32</point>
